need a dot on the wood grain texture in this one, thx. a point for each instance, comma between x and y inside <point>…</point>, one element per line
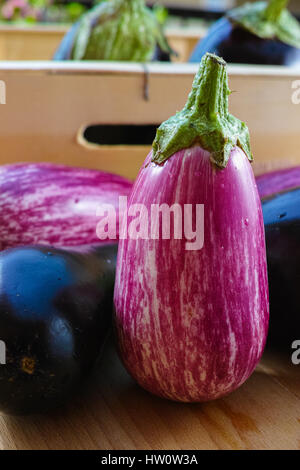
<point>116,414</point>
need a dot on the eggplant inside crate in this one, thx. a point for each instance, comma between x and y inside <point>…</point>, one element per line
<point>104,115</point>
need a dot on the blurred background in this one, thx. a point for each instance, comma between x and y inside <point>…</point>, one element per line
<point>33,29</point>
<point>65,11</point>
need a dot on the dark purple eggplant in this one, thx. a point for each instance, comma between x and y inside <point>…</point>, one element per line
<point>282,227</point>
<point>116,30</point>
<point>55,313</point>
<point>64,50</point>
<point>259,33</point>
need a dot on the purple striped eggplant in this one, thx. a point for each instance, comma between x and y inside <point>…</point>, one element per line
<point>54,205</point>
<point>277,181</point>
<point>191,313</point>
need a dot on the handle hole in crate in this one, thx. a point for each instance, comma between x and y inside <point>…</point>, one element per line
<point>117,134</point>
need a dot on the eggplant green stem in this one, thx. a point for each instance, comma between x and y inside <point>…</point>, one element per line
<point>205,120</point>
<point>268,21</point>
<point>274,9</point>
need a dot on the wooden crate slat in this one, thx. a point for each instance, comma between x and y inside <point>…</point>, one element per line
<point>48,103</point>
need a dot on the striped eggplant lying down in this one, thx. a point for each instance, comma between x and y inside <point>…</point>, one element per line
<point>55,205</point>
<point>276,181</point>
<point>192,323</point>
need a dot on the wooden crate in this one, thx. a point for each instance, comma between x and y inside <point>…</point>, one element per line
<point>48,104</point>
<point>40,42</point>
<point>29,43</point>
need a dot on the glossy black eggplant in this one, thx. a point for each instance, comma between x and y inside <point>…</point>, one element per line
<point>55,313</point>
<point>282,227</point>
<point>242,41</point>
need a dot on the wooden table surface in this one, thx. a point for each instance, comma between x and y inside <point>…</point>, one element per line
<point>116,414</point>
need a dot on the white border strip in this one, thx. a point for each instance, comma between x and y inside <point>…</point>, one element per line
<point>128,68</point>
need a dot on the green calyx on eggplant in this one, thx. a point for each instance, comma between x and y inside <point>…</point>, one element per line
<point>256,33</point>
<point>205,119</point>
<point>55,313</point>
<point>116,30</point>
<point>282,227</point>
